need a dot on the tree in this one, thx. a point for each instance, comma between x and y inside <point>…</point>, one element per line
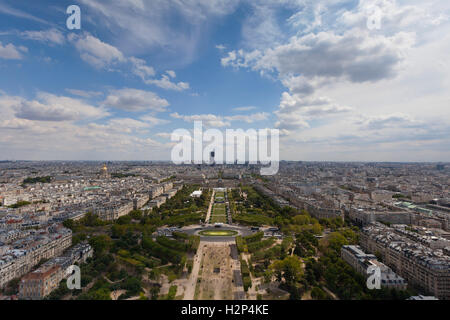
<point>290,268</point>
<point>154,292</point>
<point>132,285</point>
<point>317,228</point>
<point>91,220</point>
<point>12,287</point>
<point>136,214</point>
<point>77,238</point>
<point>118,231</point>
<point>172,293</point>
<point>334,241</point>
<point>100,243</point>
<point>69,223</point>
<point>301,219</point>
<point>318,294</point>
<point>100,294</point>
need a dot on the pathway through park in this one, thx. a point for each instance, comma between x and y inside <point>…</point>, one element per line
<point>208,214</point>
<point>192,282</point>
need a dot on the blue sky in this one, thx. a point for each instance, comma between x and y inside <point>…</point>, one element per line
<point>335,87</point>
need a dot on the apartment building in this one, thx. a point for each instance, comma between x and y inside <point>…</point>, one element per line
<point>41,282</point>
<point>361,261</point>
<point>167,186</point>
<point>156,191</point>
<point>140,200</point>
<point>170,193</point>
<point>158,202</point>
<point>114,210</point>
<point>18,261</point>
<point>420,265</point>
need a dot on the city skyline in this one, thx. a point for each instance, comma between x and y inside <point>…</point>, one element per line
<point>362,81</point>
<point>312,231</point>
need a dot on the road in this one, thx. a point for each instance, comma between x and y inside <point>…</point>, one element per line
<point>194,230</point>
<point>189,293</point>
<point>208,214</point>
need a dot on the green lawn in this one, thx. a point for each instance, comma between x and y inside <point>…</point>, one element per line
<point>219,194</point>
<point>220,212</point>
<point>218,219</point>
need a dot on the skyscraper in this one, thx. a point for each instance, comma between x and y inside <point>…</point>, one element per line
<point>211,158</point>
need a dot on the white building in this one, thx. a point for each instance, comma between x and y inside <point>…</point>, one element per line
<point>196,194</point>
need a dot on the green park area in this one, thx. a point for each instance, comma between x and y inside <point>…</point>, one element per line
<point>219,209</point>
<point>219,194</point>
<point>219,213</point>
<point>128,261</point>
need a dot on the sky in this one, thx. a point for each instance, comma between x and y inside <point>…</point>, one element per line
<point>342,80</point>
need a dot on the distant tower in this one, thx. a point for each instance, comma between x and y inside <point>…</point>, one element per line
<point>105,174</point>
<point>211,157</point>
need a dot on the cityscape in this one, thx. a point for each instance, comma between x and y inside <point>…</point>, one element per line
<point>155,230</point>
<point>225,158</point>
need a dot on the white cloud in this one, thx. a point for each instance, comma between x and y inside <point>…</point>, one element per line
<point>96,52</point>
<point>241,59</point>
<point>51,36</point>
<point>394,16</point>
<point>209,120</point>
<point>41,139</point>
<point>165,83</point>
<point>296,111</point>
<point>153,121</point>
<point>395,120</point>
<point>351,88</point>
<point>50,107</point>
<point>102,55</point>
<point>123,125</point>
<point>141,26</point>
<point>20,14</point>
<point>309,18</point>
<point>356,56</point>
<point>351,92</point>
<point>220,47</point>
<point>135,100</point>
<point>141,69</point>
<point>171,73</point>
<point>250,118</point>
<point>288,122</point>
<point>117,140</point>
<point>261,29</point>
<point>164,135</point>
<point>15,123</point>
<point>247,108</point>
<point>11,52</point>
<point>84,93</point>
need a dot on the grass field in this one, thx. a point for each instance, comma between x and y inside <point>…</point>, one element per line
<point>219,211</point>
<point>219,194</point>
<point>219,208</point>
<point>218,219</point>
